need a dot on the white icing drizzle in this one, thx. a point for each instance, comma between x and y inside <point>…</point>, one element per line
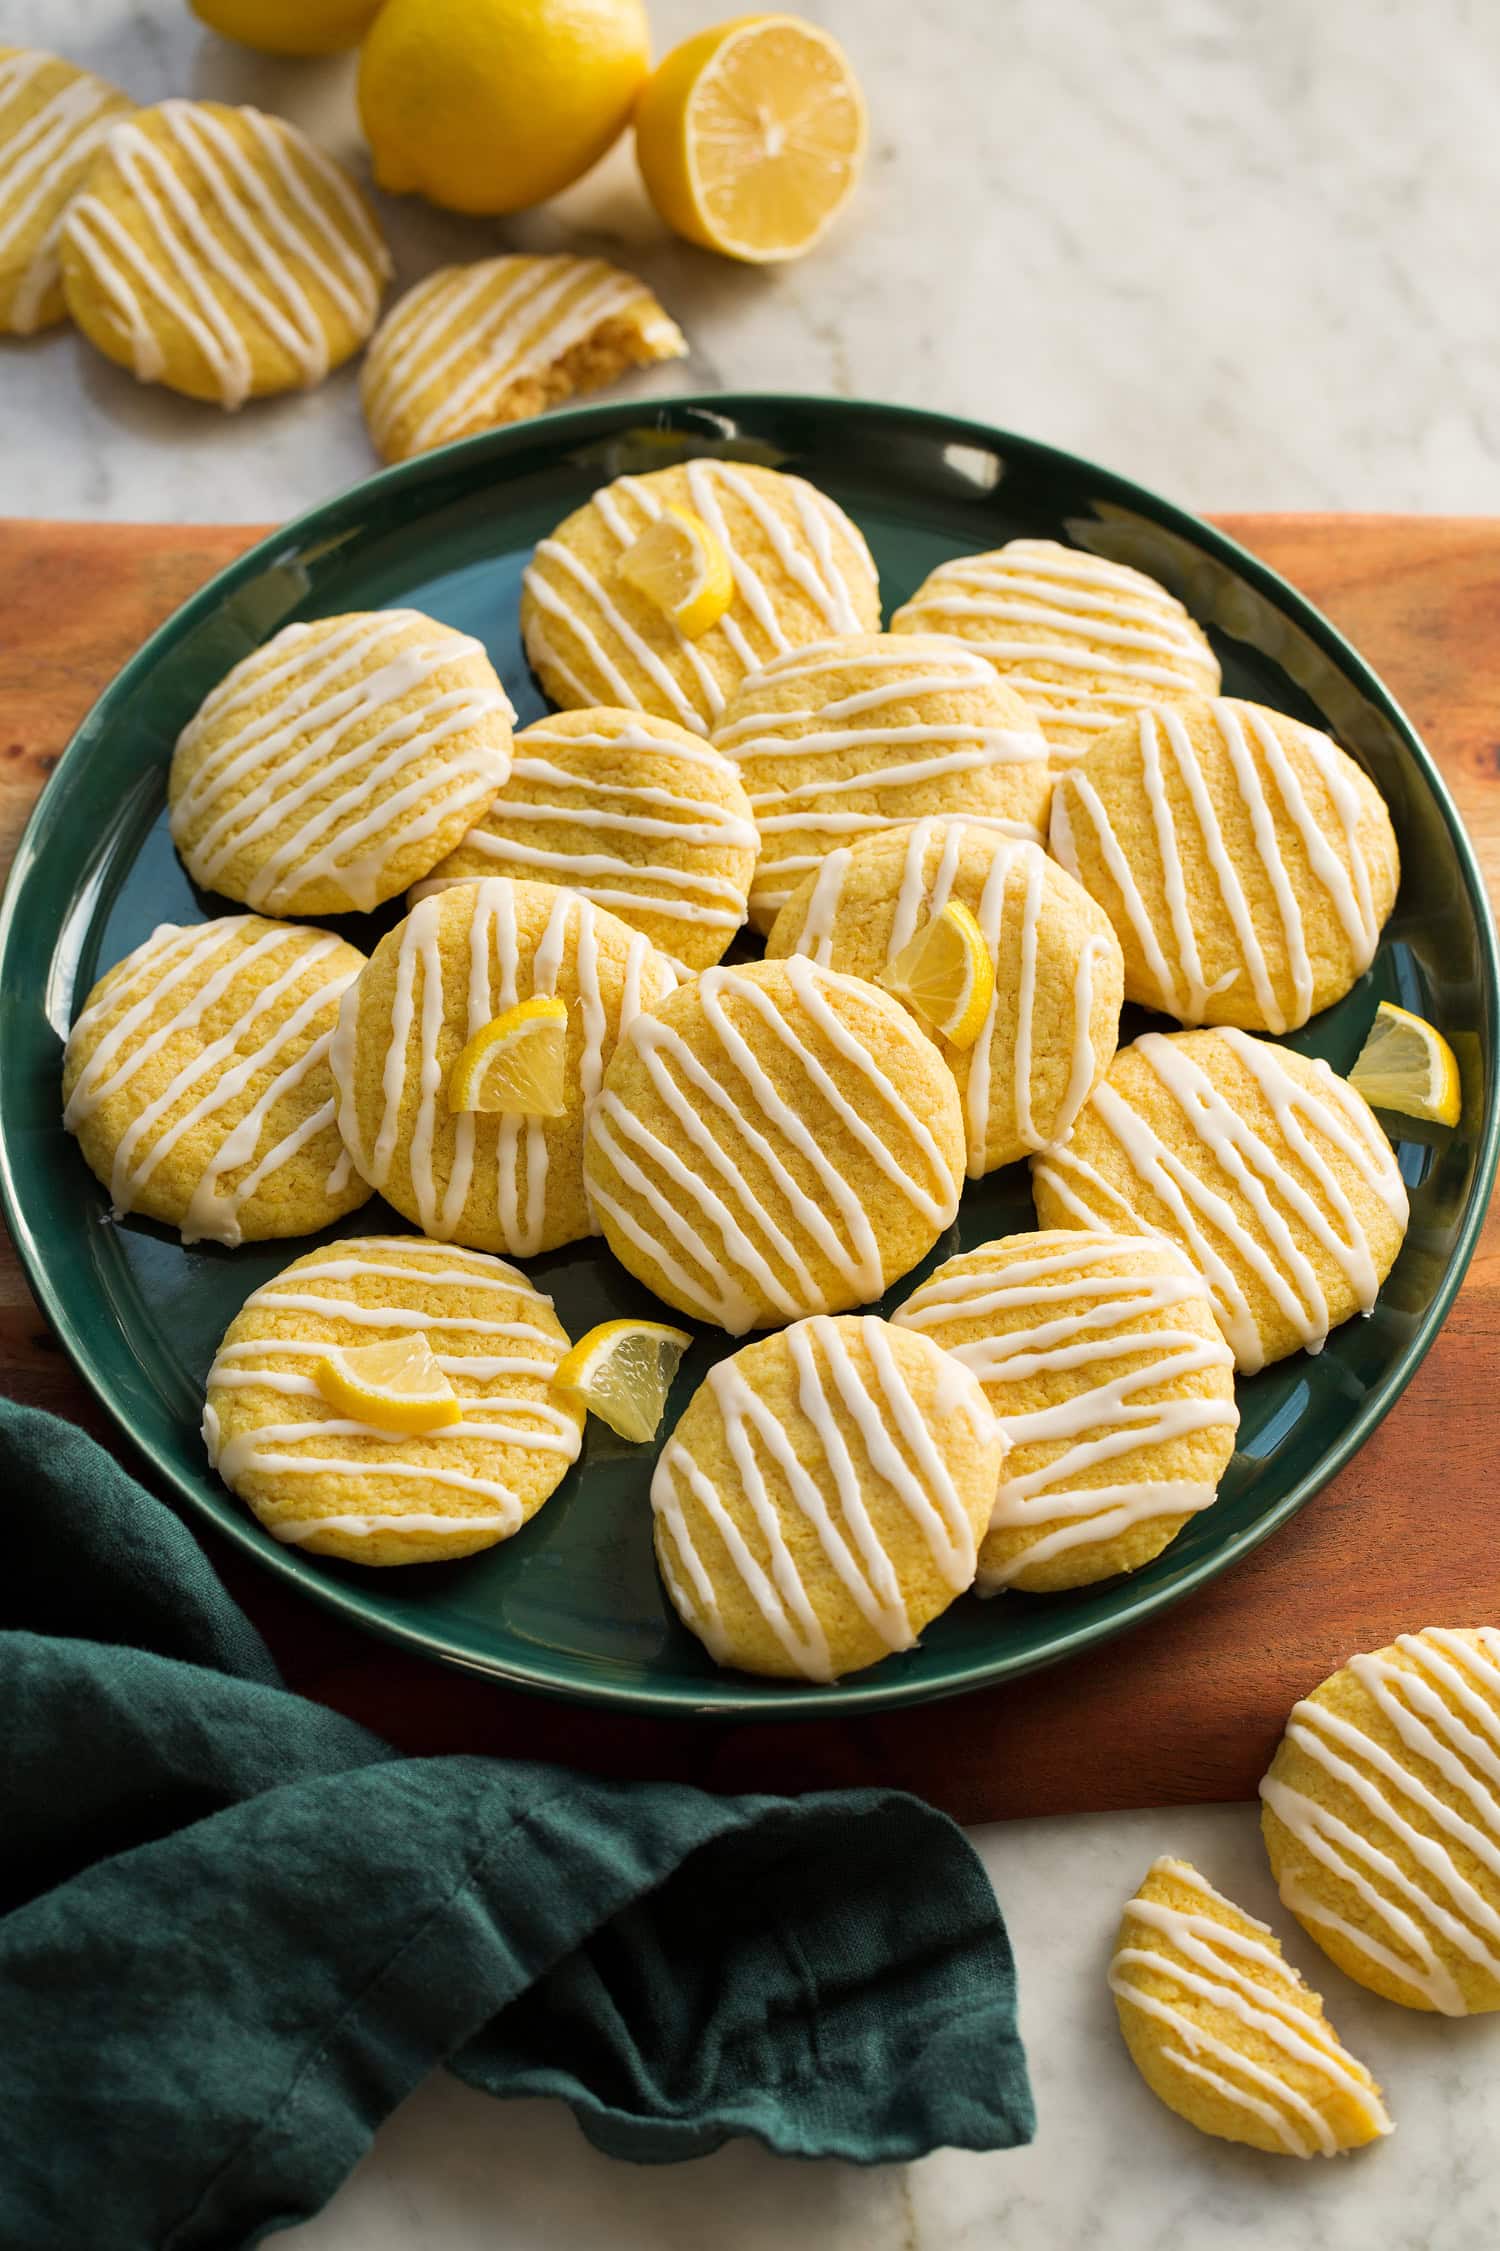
<point>1237,1187</point>
<point>41,162</point>
<point>826,1476</point>
<point>1408,1924</point>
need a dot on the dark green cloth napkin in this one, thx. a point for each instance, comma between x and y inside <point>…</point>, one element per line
<point>236,1929</point>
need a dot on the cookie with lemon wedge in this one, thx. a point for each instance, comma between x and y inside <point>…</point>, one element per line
<point>388,1400</point>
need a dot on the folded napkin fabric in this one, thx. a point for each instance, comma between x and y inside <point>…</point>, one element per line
<point>236,1929</point>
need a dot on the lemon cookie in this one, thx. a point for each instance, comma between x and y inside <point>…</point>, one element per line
<point>1101,1357</point>
<point>196,1079</point>
<point>634,813</point>
<point>1262,1164</point>
<point>800,569</point>
<point>1052,1024</point>
<point>217,251</point>
<point>1083,641</point>
<point>339,763</point>
<point>1381,1814</point>
<point>1246,862</point>
<point>53,117</point>
<point>853,736</point>
<point>474,346</point>
<point>1224,2031</point>
<point>823,1496</point>
<point>773,1141</point>
<point>322,1480</point>
<point>496,1181</point>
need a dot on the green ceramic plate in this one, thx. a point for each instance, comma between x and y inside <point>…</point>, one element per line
<point>572,1605</point>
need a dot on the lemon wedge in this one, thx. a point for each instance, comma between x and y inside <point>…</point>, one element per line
<point>1406,1065</point>
<point>514,1063</point>
<point>680,566</point>
<point>396,1385</point>
<point>622,1371</point>
<point>946,974</point>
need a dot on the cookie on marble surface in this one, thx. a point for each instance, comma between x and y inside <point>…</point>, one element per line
<point>53,118</point>
<point>822,1498</point>
<point>1263,1165</point>
<point>1055,1017</point>
<point>196,1079</point>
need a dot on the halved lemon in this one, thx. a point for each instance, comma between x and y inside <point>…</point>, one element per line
<point>514,1063</point>
<point>1406,1065</point>
<point>396,1385</point>
<point>622,1372</point>
<point>678,564</point>
<point>750,136</point>
<point>946,974</point>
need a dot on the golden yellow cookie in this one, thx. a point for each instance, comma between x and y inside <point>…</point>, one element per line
<point>474,346</point>
<point>53,117</point>
<point>634,813</point>
<point>854,736</point>
<point>775,1140</point>
<point>1381,1814</point>
<point>1055,1017</point>
<point>801,571</point>
<point>1262,1164</point>
<point>1103,1362</point>
<point>339,763</point>
<point>196,1079</point>
<point>1083,641</point>
<point>217,251</point>
<point>822,1498</point>
<point>1245,861</point>
<point>462,957</point>
<point>319,1480</point>
<point>1224,2031</point>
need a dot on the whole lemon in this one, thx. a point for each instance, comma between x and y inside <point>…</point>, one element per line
<point>490,105</point>
<point>289,27</point>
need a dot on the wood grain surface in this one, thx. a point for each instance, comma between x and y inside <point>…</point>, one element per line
<point>1185,1709</point>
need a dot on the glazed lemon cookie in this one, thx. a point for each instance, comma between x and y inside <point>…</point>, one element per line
<point>339,763</point>
<point>1381,1814</point>
<point>1245,861</point>
<point>854,736</point>
<point>217,251</point>
<point>823,1496</point>
<point>1083,641</point>
<point>474,346</point>
<point>1102,1360</point>
<point>1262,1164</point>
<point>773,1141</point>
<point>800,571</point>
<point>52,120</point>
<point>196,1079</point>
<point>321,1479</point>
<point>495,1181</point>
<point>1224,2031</point>
<point>634,813</point>
<point>1053,1022</point>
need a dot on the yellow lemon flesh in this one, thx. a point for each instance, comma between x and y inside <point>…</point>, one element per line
<point>515,1063</point>
<point>397,1385</point>
<point>491,105</point>
<point>678,564</point>
<point>946,974</point>
<point>1406,1065</point>
<point>750,137</point>
<point>289,27</point>
<point>622,1372</point>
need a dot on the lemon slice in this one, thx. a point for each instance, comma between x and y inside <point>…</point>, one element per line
<point>622,1372</point>
<point>515,1062</point>
<point>945,973</point>
<point>678,564</point>
<point>1406,1065</point>
<point>750,137</point>
<point>396,1385</point>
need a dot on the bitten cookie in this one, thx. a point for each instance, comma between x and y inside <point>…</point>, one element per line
<point>321,1481</point>
<point>53,118</point>
<point>821,1499</point>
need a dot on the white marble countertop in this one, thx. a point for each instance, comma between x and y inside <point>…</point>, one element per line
<point>1246,254</point>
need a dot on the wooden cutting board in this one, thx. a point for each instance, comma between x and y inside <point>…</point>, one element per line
<point>1185,1709</point>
